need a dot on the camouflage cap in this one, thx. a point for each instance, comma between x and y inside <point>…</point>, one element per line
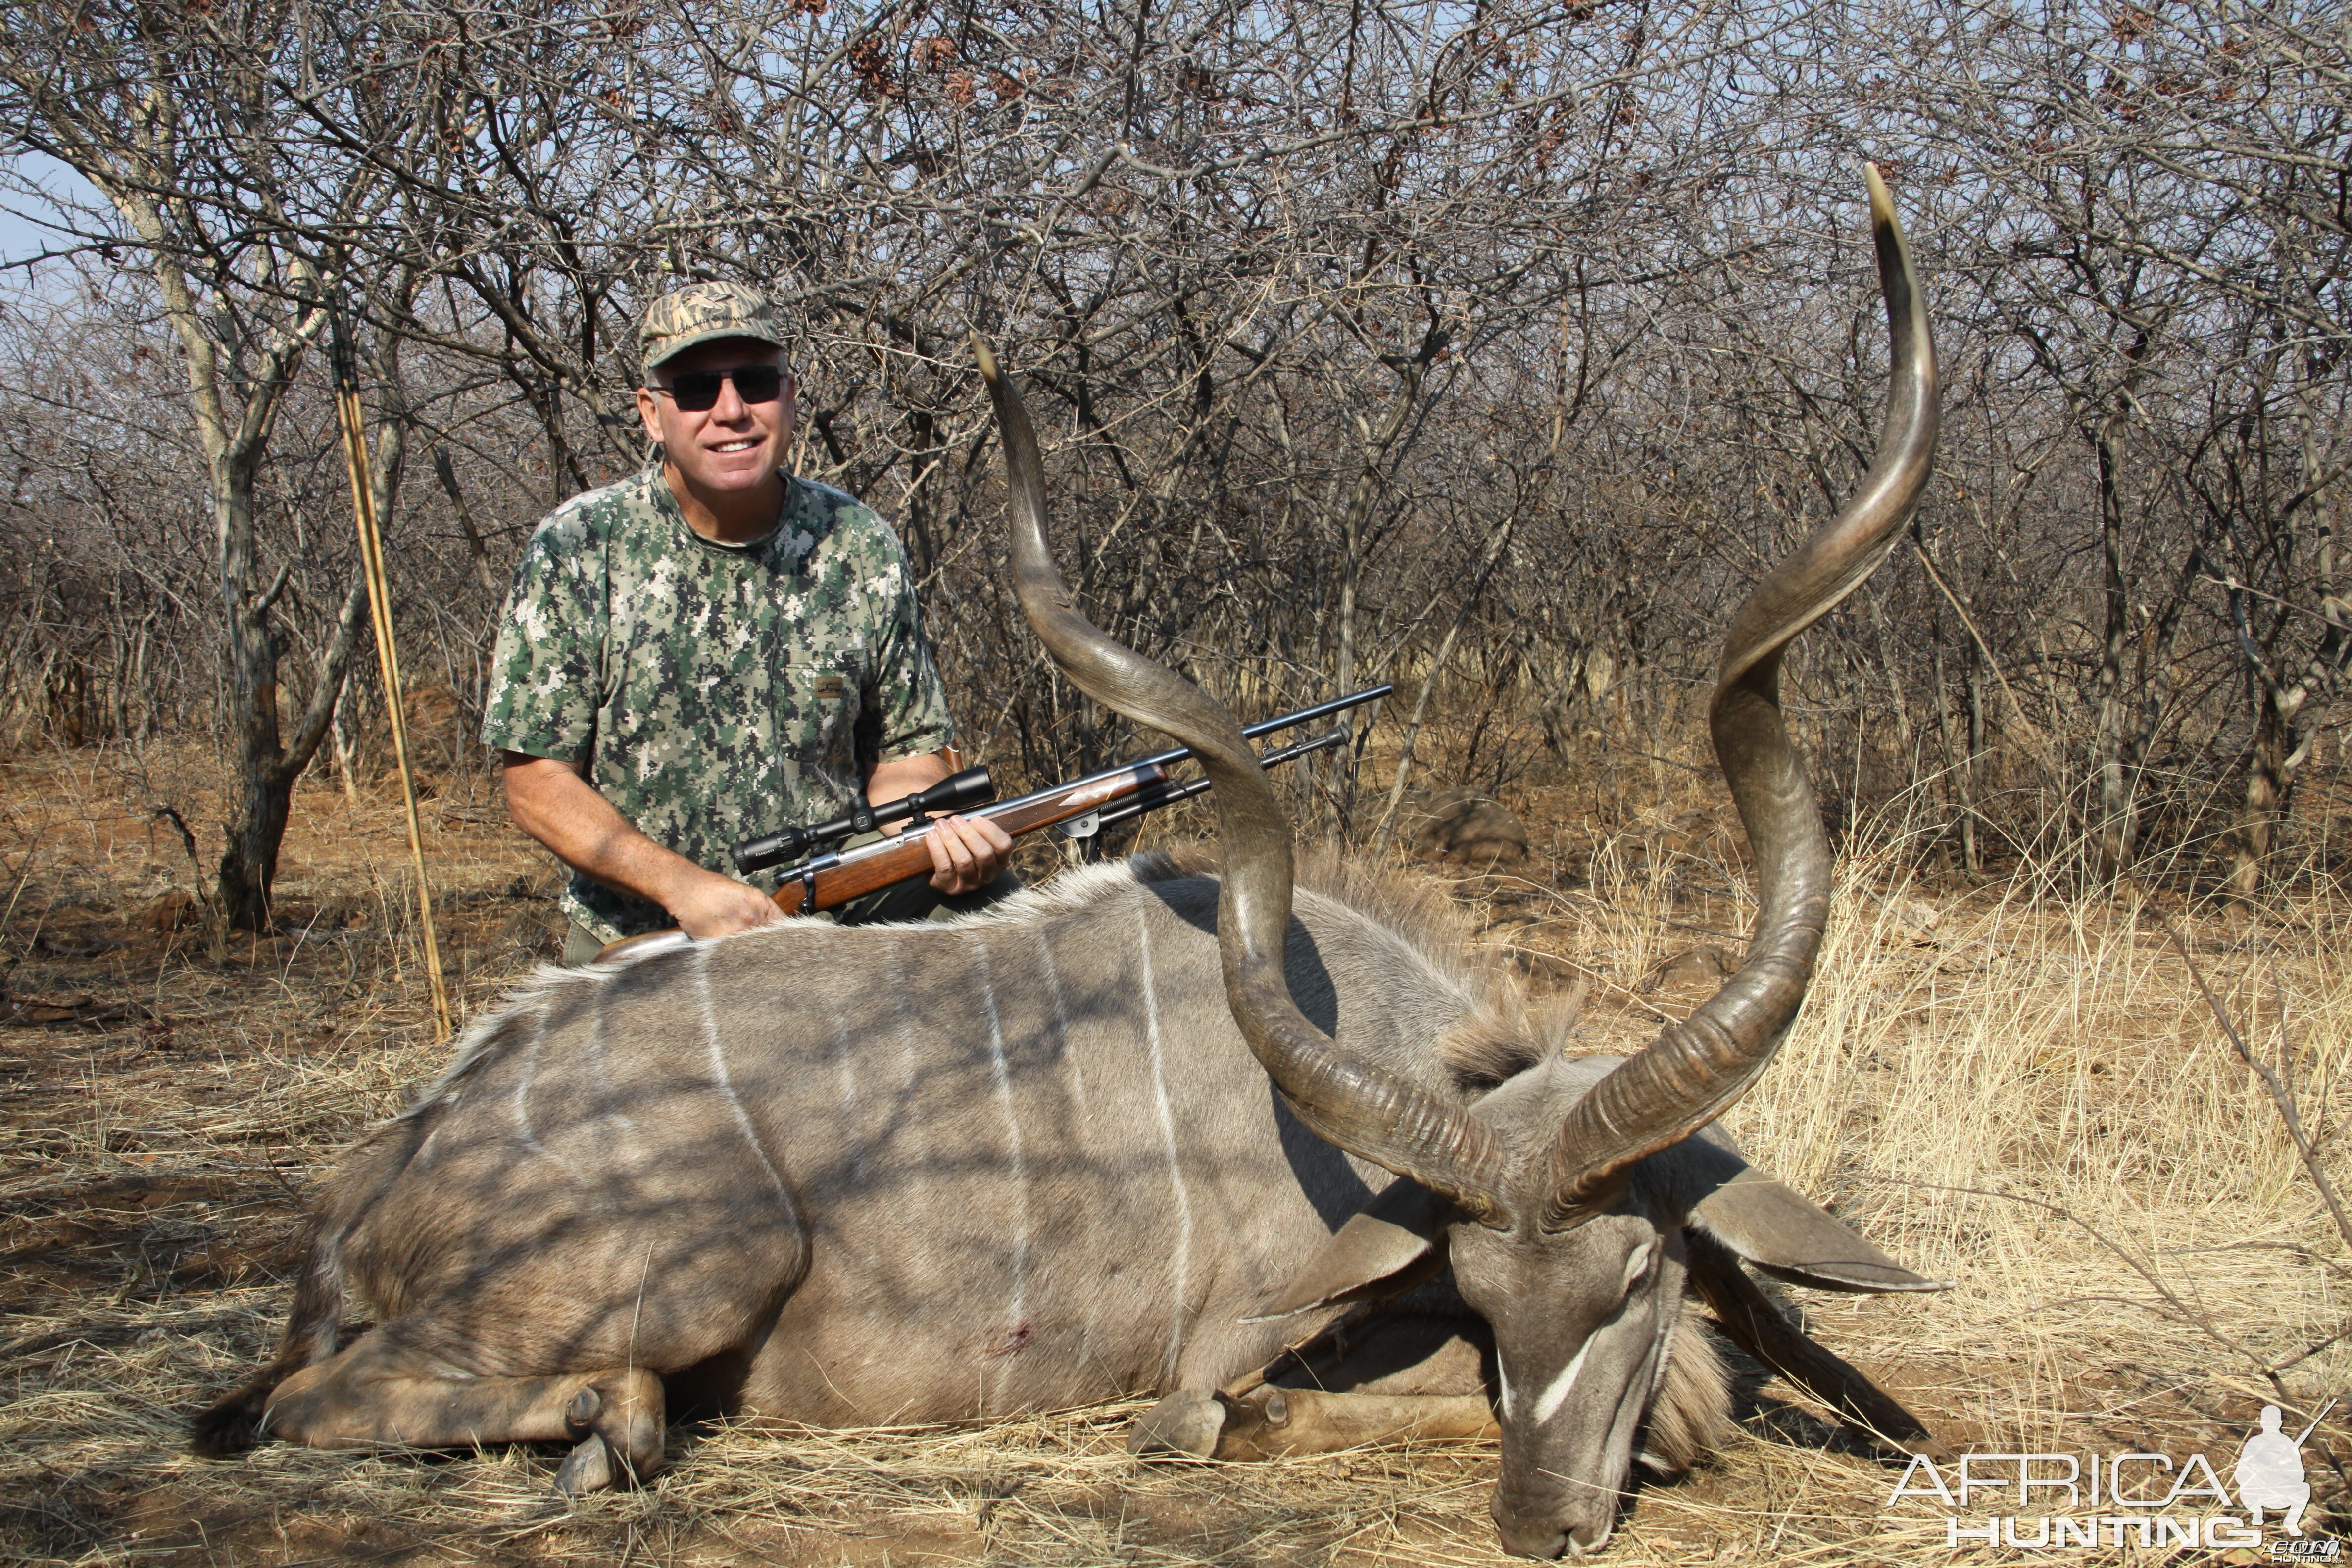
<point>700,313</point>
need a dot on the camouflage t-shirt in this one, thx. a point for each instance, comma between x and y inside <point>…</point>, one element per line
<point>715,692</point>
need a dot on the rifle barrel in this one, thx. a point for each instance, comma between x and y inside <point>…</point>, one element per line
<point>1170,794</point>
<point>1181,753</point>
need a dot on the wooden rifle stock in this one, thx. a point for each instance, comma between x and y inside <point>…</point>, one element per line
<point>831,880</point>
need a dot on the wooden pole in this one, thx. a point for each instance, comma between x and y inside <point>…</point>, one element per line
<point>355,456</point>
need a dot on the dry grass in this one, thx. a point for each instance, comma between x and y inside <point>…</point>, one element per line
<point>2020,1095</point>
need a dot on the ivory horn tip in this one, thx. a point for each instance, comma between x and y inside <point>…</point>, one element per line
<point>1882,206</point>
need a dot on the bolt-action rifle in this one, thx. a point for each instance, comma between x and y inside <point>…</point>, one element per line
<point>827,876</point>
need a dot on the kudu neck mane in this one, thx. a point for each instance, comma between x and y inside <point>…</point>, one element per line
<point>1506,1031</point>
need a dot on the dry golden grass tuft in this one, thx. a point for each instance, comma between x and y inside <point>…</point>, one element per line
<point>2023,1095</point>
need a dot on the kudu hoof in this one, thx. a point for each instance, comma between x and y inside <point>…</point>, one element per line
<point>590,1468</point>
<point>1187,1422</point>
<point>619,1431</point>
<point>1255,1424</point>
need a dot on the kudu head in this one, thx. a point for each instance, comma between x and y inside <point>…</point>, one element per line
<point>1562,1198</point>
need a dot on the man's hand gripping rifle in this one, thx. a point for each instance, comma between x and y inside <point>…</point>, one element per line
<point>826,877</point>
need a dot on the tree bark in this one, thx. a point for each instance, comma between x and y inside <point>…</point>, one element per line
<point>2117,828</point>
<point>1971,849</point>
<point>2278,751</point>
<point>2266,776</point>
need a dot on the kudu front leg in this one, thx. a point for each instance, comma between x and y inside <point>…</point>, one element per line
<point>1272,1423</point>
<point>376,1393</point>
<point>1383,1373</point>
<point>1276,1423</point>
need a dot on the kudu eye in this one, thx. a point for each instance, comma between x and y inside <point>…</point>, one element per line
<point>1635,1266</point>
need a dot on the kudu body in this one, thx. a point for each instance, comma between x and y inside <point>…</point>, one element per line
<point>1034,1159</point>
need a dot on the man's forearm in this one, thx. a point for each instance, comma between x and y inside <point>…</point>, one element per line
<point>549,800</point>
<point>967,852</point>
<point>554,805</point>
<point>907,776</point>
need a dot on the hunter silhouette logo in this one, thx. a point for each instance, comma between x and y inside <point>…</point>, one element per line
<point>2269,1471</point>
<point>2118,1499</point>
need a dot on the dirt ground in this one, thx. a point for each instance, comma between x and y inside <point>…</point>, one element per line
<point>2023,1096</point>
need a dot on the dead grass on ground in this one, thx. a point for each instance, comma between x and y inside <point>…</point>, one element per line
<point>2023,1096</point>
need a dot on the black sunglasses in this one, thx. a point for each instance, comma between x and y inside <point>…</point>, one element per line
<point>697,391</point>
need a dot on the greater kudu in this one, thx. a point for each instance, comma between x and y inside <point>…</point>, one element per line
<point>1026,1162</point>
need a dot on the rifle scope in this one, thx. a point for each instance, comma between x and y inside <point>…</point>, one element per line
<point>971,788</point>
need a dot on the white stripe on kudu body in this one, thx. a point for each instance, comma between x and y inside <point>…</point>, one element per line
<point>910,1057</point>
<point>523,1080</point>
<point>1071,1069</point>
<point>719,1075</point>
<point>605,1095</point>
<point>845,1063</point>
<point>1016,1308</point>
<point>1167,1138</point>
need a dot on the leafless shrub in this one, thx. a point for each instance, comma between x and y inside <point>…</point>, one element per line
<point>1493,351</point>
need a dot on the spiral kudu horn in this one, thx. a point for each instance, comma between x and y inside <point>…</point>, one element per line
<point>1353,1104</point>
<point>1697,1067</point>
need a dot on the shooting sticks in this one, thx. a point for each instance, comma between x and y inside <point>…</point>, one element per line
<point>355,456</point>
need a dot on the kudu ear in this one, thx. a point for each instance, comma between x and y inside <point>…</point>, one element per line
<point>1387,1247</point>
<point>1771,1227</point>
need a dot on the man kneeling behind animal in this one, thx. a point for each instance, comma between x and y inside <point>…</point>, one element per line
<point>714,649</point>
<point>932,1172</point>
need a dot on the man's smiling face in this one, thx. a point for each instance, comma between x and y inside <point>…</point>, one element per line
<point>733,445</point>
